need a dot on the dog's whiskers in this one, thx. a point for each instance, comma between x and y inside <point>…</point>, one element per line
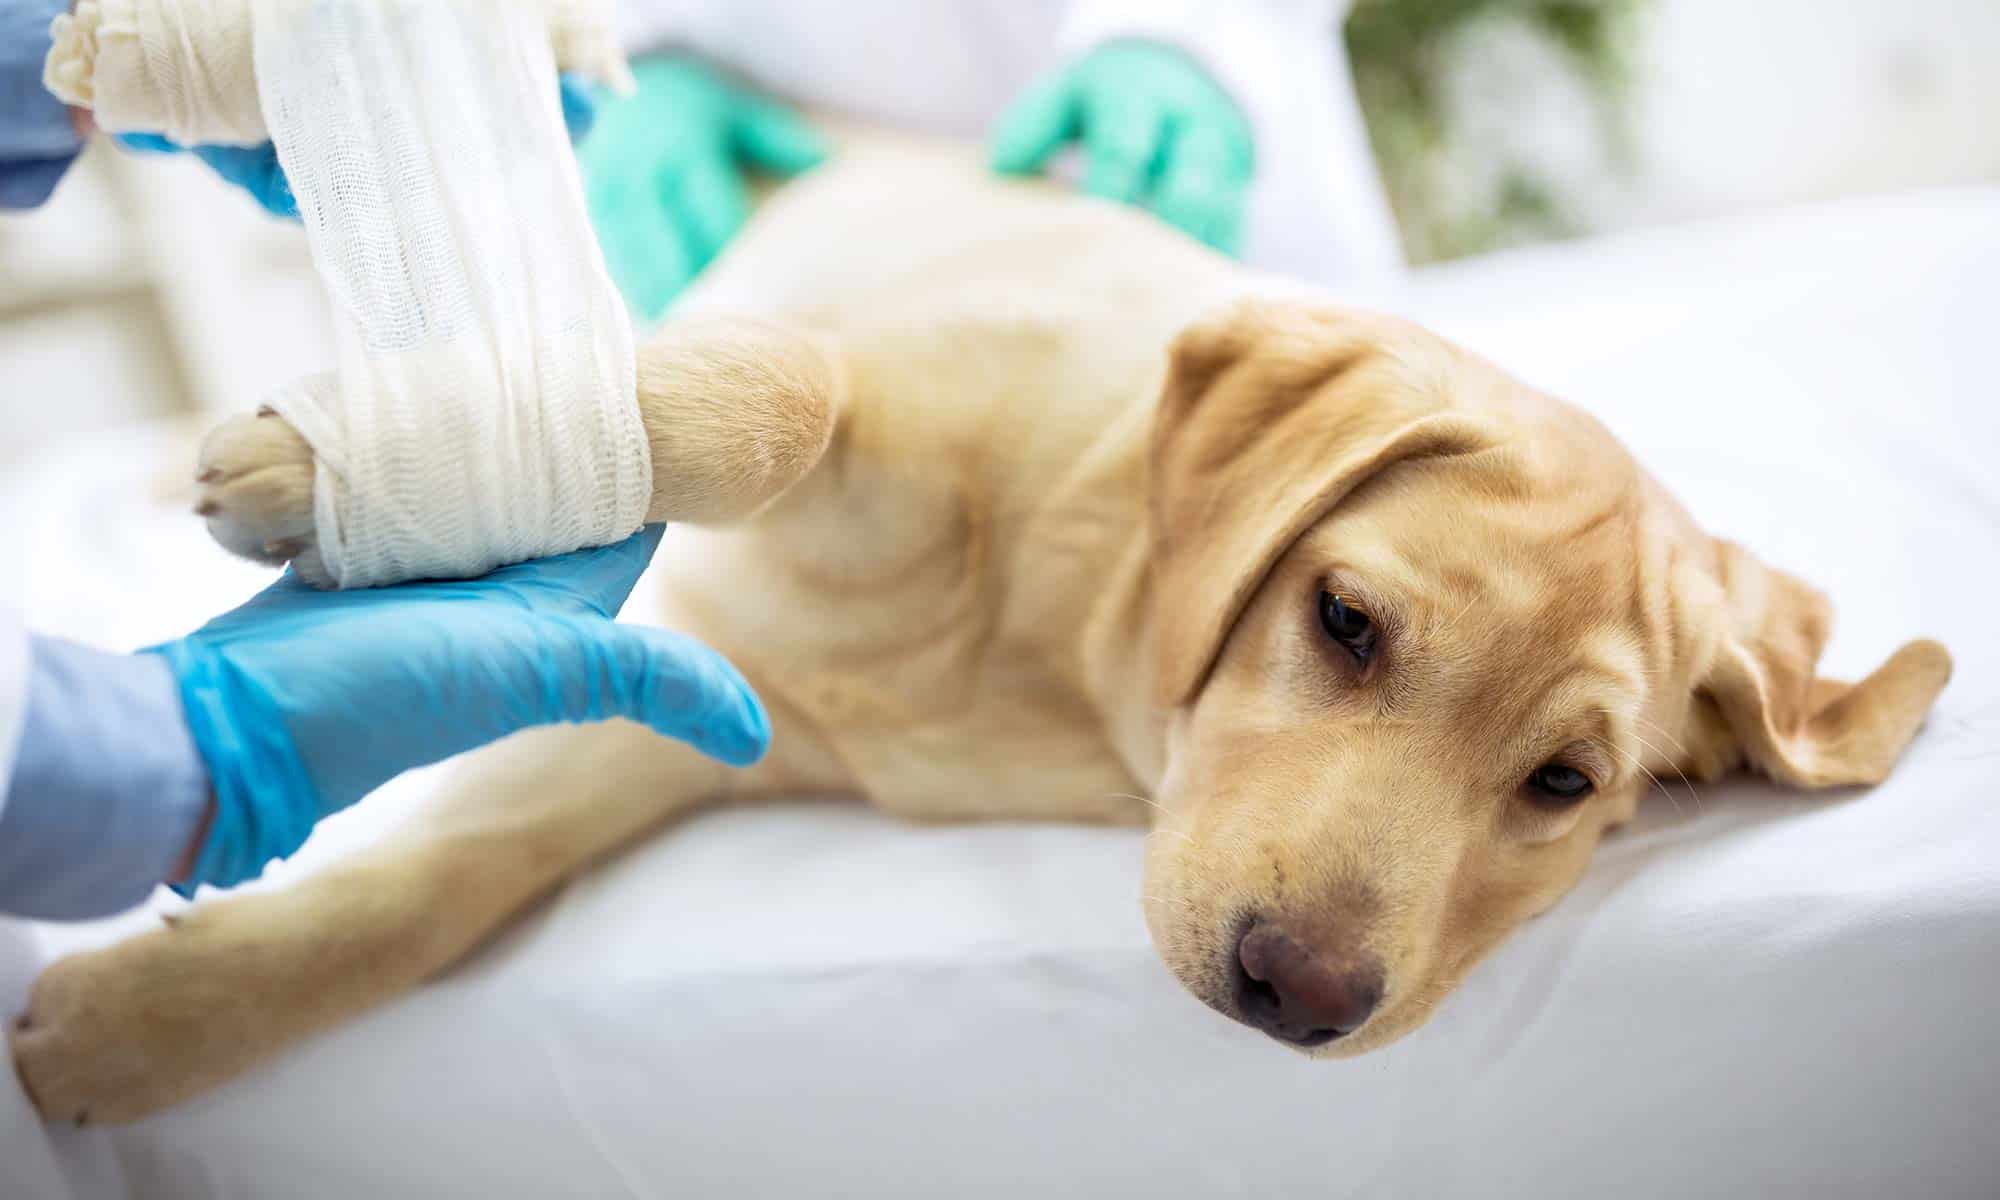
<point>1670,738</point>
<point>1145,800</point>
<point>1641,768</point>
<point>1451,622</point>
<point>1685,781</point>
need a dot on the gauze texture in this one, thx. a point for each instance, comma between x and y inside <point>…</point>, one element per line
<point>186,69</point>
<point>483,411</point>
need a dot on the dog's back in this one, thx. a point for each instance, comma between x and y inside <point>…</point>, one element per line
<point>1004,345</point>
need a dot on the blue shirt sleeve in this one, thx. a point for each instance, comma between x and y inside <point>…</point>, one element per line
<point>37,141</point>
<point>108,786</point>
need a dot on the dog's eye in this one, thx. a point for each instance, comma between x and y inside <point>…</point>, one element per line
<point>1347,625</point>
<point>1556,784</point>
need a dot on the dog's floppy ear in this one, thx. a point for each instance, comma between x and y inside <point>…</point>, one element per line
<point>1271,413</point>
<point>1765,702</point>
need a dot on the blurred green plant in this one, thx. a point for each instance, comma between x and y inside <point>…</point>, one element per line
<point>1404,55</point>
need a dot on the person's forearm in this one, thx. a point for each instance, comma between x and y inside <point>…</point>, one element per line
<point>39,136</point>
<point>182,874</point>
<point>109,795</point>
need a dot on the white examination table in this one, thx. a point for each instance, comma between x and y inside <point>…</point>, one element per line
<point>1751,993</point>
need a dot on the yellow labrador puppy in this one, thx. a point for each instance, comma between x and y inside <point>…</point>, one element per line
<point>1026,511</point>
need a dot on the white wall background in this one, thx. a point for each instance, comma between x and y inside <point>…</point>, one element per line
<point>1741,104</point>
<point>1750,103</point>
<point>147,289</point>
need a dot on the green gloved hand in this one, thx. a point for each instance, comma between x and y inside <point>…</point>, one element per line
<point>1156,129</point>
<point>664,172</point>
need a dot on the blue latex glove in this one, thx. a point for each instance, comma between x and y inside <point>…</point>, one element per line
<point>301,702</point>
<point>255,169</point>
<point>1156,131</point>
<point>664,173</point>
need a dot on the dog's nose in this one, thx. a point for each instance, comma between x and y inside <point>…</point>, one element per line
<point>1296,994</point>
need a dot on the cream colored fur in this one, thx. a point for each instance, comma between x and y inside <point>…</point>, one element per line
<point>1027,515</point>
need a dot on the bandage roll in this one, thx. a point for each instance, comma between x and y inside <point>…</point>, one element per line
<point>186,68</point>
<point>484,410</point>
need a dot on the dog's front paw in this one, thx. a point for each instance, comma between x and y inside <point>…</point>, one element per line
<point>256,477</point>
<point>116,1034</point>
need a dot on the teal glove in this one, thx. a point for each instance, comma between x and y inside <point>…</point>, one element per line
<point>664,173</point>
<point>1156,129</point>
<point>302,702</point>
<point>255,169</point>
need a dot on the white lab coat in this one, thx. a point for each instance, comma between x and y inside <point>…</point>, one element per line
<point>1316,208</point>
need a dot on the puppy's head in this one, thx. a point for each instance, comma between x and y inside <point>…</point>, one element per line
<point>1425,633</point>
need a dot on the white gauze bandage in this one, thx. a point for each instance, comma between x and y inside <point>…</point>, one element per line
<point>186,68</point>
<point>484,409</point>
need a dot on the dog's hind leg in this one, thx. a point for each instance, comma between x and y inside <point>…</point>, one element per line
<point>115,1034</point>
<point>736,411</point>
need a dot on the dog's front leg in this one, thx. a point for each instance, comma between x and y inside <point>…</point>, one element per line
<point>736,412</point>
<point>118,1033</point>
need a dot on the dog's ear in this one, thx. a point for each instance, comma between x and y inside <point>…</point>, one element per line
<point>1271,413</point>
<point>1760,700</point>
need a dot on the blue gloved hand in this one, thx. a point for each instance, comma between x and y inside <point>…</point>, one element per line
<point>664,173</point>
<point>302,702</point>
<point>255,169</point>
<point>1156,129</point>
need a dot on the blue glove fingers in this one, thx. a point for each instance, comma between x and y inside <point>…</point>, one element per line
<point>579,106</point>
<point>709,204</point>
<point>587,582</point>
<point>771,137</point>
<point>666,681</point>
<point>148,143</point>
<point>255,169</point>
<point>1038,125</point>
<point>1200,191</point>
<point>1123,143</point>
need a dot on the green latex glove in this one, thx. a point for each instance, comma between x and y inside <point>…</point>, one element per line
<point>1156,130</point>
<point>664,172</point>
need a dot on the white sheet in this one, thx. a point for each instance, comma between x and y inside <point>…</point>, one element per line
<point>1752,992</point>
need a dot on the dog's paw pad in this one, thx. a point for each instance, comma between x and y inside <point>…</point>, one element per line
<point>115,1034</point>
<point>256,492</point>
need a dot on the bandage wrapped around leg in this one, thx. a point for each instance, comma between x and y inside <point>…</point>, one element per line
<point>186,68</point>
<point>484,411</point>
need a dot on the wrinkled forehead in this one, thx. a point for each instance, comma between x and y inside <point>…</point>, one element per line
<point>1490,568</point>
